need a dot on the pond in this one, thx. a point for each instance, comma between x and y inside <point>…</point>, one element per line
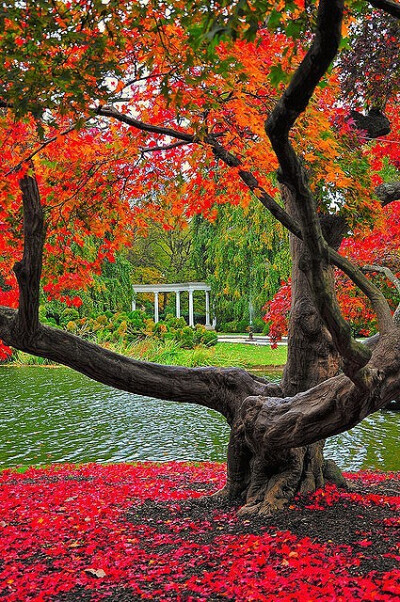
<point>56,415</point>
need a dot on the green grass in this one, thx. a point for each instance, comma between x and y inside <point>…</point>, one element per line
<point>20,358</point>
<point>253,355</point>
<point>222,354</point>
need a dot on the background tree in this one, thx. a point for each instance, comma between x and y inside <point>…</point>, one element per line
<point>243,109</point>
<point>244,256</point>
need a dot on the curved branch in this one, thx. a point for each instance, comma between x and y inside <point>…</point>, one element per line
<point>390,276</point>
<point>28,271</point>
<point>388,6</point>
<point>330,408</point>
<point>221,389</point>
<point>383,270</point>
<point>378,300</point>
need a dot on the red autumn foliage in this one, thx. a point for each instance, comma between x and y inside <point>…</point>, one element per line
<point>70,533</point>
<point>379,246</point>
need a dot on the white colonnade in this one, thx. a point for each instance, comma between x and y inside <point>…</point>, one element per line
<point>189,287</point>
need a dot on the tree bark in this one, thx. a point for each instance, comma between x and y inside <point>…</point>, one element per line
<point>264,478</point>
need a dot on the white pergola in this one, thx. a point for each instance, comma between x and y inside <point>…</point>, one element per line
<point>178,288</point>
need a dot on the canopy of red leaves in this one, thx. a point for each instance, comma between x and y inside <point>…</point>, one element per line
<point>123,532</point>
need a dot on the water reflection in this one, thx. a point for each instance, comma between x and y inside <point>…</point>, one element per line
<point>56,415</point>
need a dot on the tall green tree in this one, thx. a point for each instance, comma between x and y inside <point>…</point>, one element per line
<point>244,256</point>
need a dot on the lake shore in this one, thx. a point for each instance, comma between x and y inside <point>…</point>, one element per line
<point>257,357</point>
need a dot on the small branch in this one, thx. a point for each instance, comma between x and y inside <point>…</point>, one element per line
<point>40,148</point>
<point>146,127</point>
<point>153,149</point>
<point>383,270</point>
<point>390,276</point>
<point>251,182</point>
<point>378,300</point>
<point>388,6</point>
<point>29,270</point>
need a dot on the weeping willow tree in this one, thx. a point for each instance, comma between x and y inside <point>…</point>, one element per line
<point>244,256</point>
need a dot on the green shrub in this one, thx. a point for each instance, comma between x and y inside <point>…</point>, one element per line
<point>69,314</point>
<point>124,328</point>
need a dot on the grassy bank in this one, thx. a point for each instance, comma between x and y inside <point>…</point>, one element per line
<point>222,354</point>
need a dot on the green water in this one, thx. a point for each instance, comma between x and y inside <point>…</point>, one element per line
<point>56,415</point>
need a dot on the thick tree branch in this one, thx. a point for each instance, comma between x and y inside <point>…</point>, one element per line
<point>28,270</point>
<point>215,388</point>
<point>330,408</point>
<point>323,50</point>
<point>221,389</point>
<point>291,104</point>
<point>388,192</point>
<point>389,6</point>
<point>375,123</point>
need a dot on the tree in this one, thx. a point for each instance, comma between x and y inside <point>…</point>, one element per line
<point>208,123</point>
<point>376,253</point>
<point>244,256</point>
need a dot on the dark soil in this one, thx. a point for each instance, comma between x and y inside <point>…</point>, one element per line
<point>345,523</point>
<point>368,532</point>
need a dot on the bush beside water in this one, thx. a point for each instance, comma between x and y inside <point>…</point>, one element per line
<point>126,328</point>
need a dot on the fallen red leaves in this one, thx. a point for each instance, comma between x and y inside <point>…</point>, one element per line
<point>131,532</point>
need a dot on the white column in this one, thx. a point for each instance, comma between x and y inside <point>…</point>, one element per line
<point>208,308</point>
<point>156,307</point>
<point>134,303</point>
<point>191,315</point>
<point>178,304</point>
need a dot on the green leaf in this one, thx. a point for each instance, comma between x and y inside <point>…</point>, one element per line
<point>278,75</point>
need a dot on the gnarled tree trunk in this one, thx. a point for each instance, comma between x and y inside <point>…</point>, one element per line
<point>265,479</point>
<point>274,449</point>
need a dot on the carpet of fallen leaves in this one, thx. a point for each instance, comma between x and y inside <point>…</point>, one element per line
<point>138,532</point>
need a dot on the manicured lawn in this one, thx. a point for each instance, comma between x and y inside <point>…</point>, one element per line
<point>140,532</point>
<point>222,354</point>
<point>253,355</point>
